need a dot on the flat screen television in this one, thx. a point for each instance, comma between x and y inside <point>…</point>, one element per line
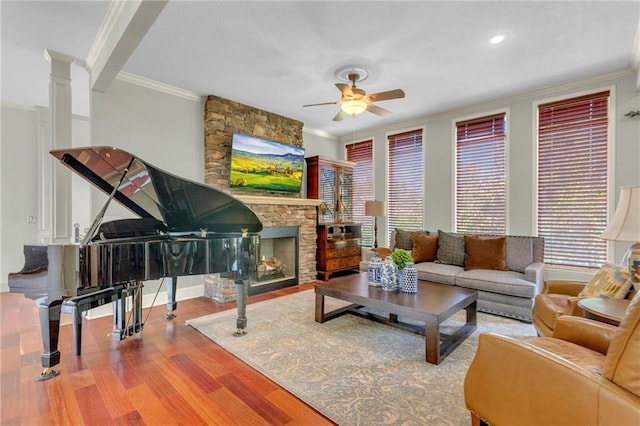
<point>263,165</point>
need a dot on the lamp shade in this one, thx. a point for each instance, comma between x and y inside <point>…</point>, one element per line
<point>354,106</point>
<point>625,223</point>
<point>375,208</point>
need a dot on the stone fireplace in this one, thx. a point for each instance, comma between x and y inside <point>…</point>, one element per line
<point>222,118</point>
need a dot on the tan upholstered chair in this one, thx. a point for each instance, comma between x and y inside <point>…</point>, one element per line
<point>556,298</point>
<point>587,373</point>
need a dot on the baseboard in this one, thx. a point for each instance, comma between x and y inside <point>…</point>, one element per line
<point>160,302</point>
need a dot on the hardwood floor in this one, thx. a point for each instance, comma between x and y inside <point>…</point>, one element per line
<point>170,374</point>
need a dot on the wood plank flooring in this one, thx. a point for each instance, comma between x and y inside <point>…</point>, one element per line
<point>170,374</point>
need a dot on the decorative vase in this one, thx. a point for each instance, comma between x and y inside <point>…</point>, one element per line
<point>400,279</point>
<point>410,281</point>
<point>374,271</point>
<point>388,274</point>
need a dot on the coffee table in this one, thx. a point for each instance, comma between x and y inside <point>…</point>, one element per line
<point>432,304</point>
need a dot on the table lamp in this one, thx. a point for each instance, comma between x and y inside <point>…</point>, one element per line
<point>625,226</point>
<point>375,208</point>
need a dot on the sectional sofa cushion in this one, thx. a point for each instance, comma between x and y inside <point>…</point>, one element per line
<point>438,272</point>
<point>501,282</point>
<point>450,248</point>
<point>484,253</point>
<point>425,247</point>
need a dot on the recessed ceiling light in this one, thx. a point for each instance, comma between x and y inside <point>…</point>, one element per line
<point>498,38</point>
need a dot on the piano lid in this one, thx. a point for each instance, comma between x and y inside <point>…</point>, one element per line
<point>183,205</point>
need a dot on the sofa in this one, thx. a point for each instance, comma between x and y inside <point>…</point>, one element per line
<point>508,275</point>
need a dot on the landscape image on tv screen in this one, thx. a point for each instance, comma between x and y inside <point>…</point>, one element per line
<point>263,165</point>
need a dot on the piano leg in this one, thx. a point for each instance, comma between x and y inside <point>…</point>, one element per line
<point>242,292</point>
<point>130,294</point>
<point>50,325</point>
<point>172,305</point>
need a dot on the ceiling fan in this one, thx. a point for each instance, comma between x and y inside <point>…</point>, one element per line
<point>355,101</point>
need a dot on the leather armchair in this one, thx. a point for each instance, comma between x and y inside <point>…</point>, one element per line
<point>557,298</point>
<point>585,374</point>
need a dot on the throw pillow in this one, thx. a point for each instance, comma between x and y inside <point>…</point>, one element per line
<point>383,252</point>
<point>425,247</point>
<point>610,281</point>
<point>519,253</point>
<point>485,253</point>
<point>404,239</point>
<point>450,248</point>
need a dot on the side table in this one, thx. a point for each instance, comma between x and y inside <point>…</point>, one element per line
<point>604,309</point>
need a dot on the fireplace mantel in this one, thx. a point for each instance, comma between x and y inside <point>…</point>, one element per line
<point>252,199</point>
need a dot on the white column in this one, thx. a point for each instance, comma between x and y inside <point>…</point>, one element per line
<point>60,126</point>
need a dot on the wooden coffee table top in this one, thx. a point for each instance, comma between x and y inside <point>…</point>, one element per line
<point>433,302</point>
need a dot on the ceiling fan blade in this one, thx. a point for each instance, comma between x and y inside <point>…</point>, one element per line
<point>339,116</point>
<point>385,96</point>
<point>345,89</point>
<point>323,103</point>
<point>377,110</point>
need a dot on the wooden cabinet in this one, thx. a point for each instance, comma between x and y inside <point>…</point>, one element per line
<point>338,248</point>
<point>331,181</point>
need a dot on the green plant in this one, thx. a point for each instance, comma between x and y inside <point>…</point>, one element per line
<point>401,257</point>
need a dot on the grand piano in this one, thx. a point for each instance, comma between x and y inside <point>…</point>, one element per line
<point>181,228</point>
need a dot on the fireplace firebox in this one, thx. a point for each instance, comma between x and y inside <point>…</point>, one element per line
<point>277,260</point>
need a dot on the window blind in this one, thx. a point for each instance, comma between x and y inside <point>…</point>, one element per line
<point>405,186</point>
<point>362,154</point>
<point>572,179</point>
<point>480,175</point>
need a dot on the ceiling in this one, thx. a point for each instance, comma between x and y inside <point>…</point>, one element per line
<point>278,56</point>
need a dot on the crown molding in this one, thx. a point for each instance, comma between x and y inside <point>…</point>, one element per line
<point>159,87</point>
<point>319,132</point>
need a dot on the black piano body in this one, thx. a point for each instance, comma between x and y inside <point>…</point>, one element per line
<point>185,228</point>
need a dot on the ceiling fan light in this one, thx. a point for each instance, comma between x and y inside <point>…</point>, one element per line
<point>354,107</point>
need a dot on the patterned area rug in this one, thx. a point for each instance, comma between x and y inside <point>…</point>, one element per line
<point>354,371</point>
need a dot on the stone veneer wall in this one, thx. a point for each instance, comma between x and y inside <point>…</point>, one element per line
<point>222,118</point>
<point>292,215</point>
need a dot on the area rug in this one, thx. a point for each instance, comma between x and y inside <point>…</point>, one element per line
<point>353,370</point>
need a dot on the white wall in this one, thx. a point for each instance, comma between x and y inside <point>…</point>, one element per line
<point>19,186</point>
<point>167,130</point>
<point>521,112</point>
<point>19,175</point>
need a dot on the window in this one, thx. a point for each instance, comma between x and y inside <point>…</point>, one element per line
<point>362,154</point>
<point>572,179</point>
<point>481,176</point>
<point>405,204</point>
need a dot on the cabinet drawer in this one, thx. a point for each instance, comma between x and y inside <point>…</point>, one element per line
<point>342,263</point>
<point>346,251</point>
<point>343,244</point>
